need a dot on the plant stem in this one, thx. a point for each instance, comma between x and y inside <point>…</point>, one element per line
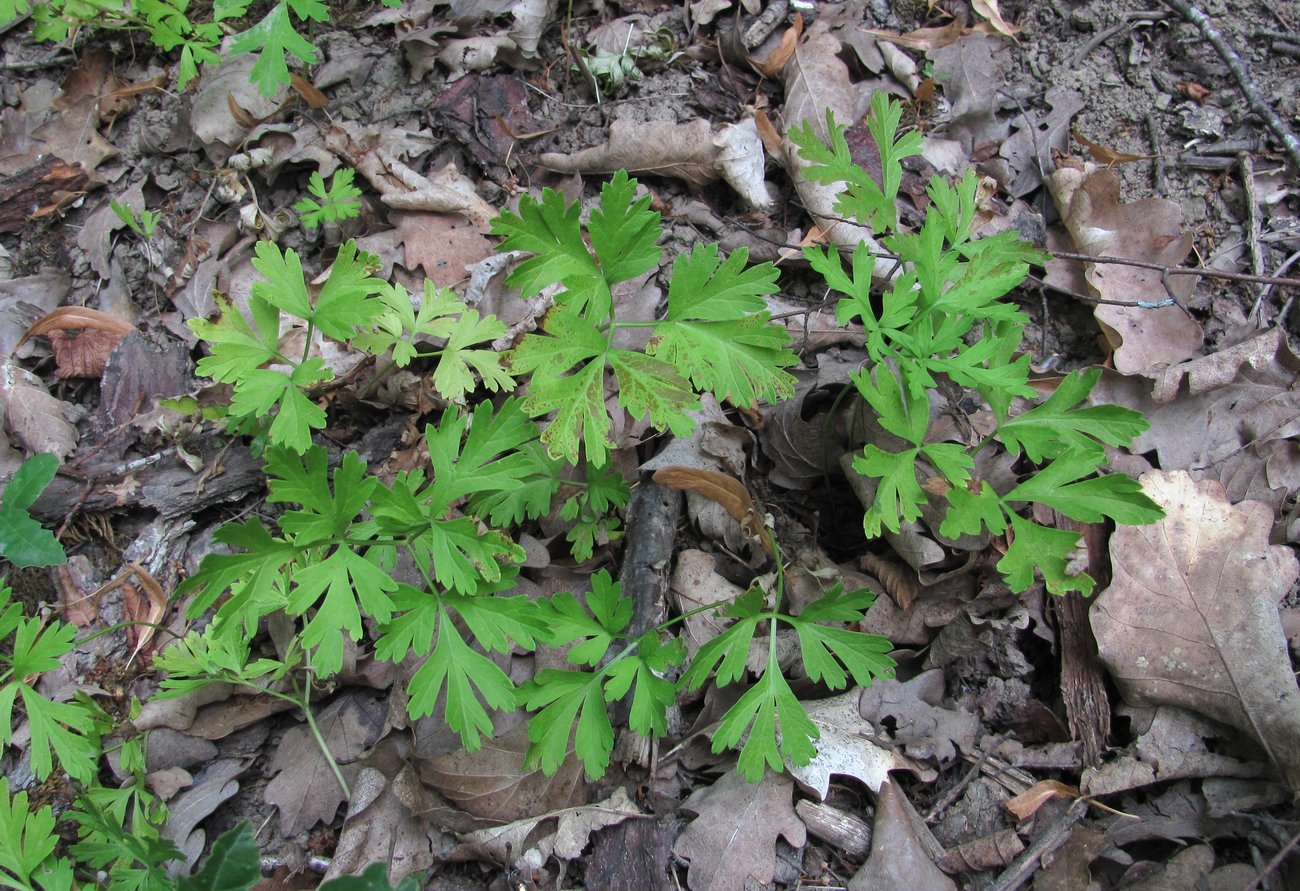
<point>320,741</point>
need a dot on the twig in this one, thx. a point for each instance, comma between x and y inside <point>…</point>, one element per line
<point>1239,71</point>
<point>1268,289</point>
<point>1056,835</point>
<point>1096,42</point>
<point>1183,270</point>
<point>1247,168</point>
<point>1158,177</point>
<point>955,792</point>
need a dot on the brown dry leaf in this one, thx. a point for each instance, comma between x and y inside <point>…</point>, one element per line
<point>695,584</point>
<point>732,838</point>
<point>817,81</point>
<point>1150,230</point>
<point>899,583</point>
<point>771,65</point>
<point>526,840</point>
<point>1068,867</point>
<point>33,416</point>
<point>898,859</point>
<point>845,748</point>
<point>1172,744</point>
<point>384,825</point>
<point>1191,618</point>
<point>86,355</point>
<point>1105,155</point>
<point>493,783</point>
<point>926,39</point>
<point>971,73</point>
<point>1027,803</point>
<point>724,490</point>
<point>989,10</point>
<point>443,244</point>
<point>1029,150</point>
<point>306,790</point>
<point>925,729</point>
<point>213,786</point>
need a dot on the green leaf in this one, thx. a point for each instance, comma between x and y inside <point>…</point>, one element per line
<point>717,330</point>
<point>325,512</point>
<point>336,203</point>
<point>623,233</point>
<point>233,864</point>
<point>550,229</point>
<point>832,654</point>
<point>338,588</point>
<point>581,423</point>
<point>272,39</point>
<point>27,838</point>
<point>898,494</point>
<point>256,567</point>
<point>969,511</point>
<point>560,698</point>
<point>899,410</point>
<point>642,672</point>
<point>481,463</point>
<point>235,347</point>
<point>728,653</point>
<point>1049,551</point>
<point>767,708</point>
<point>1115,496</point>
<point>1049,428</point>
<point>597,625</point>
<point>373,878</point>
<point>23,541</point>
<point>349,298</point>
<point>651,388</point>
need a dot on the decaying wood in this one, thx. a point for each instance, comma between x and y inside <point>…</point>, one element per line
<point>1083,686</point>
<point>839,829</point>
<point>36,190</point>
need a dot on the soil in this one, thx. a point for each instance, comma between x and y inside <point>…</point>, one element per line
<point>1149,86</point>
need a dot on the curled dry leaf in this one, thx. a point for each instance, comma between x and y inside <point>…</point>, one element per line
<point>1027,803</point>
<point>726,491</point>
<point>1191,618</point>
<point>899,583</point>
<point>87,354</point>
<point>692,152</point>
<point>926,39</point>
<point>989,10</point>
<point>1144,334</point>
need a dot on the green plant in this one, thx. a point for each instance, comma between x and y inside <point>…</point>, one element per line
<point>23,541</point>
<point>144,223</point>
<point>330,205</point>
<point>169,27</point>
<point>942,322</point>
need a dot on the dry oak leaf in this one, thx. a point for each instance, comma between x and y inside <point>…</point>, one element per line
<point>1151,230</point>
<point>922,727</point>
<point>1191,617</point>
<point>898,857</point>
<point>733,836</point>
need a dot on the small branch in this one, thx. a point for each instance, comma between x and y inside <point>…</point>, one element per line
<point>1272,865</point>
<point>1183,270</point>
<point>1239,71</point>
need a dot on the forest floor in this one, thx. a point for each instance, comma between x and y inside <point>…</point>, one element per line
<point>1145,737</point>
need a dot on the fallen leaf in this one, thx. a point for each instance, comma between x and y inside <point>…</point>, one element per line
<point>1172,744</point>
<point>695,584</point>
<point>1104,155</point>
<point>84,355</point>
<point>1143,337</point>
<point>492,783</point>
<point>970,71</point>
<point>726,491</point>
<point>384,825</point>
<point>989,10</point>
<point>922,727</point>
<point>897,859</point>
<point>213,786</point>
<point>32,415</point>
<point>527,841</point>
<point>1191,617</point>
<point>1027,803</point>
<point>692,152</point>
<point>844,748</point>
<point>731,840</point>
<point>442,244</point>
<point>1029,149</point>
<point>305,789</point>
<point>926,39</point>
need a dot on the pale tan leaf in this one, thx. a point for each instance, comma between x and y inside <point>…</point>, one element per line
<point>926,39</point>
<point>845,748</point>
<point>661,148</point>
<point>1191,618</point>
<point>384,825</point>
<point>1027,803</point>
<point>732,840</point>
<point>32,415</point>
<point>989,10</point>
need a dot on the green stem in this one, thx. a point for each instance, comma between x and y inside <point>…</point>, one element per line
<point>320,741</point>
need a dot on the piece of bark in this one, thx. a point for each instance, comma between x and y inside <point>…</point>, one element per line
<point>1083,685</point>
<point>840,829</point>
<point>994,851</point>
<point>38,190</point>
<point>635,855</point>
